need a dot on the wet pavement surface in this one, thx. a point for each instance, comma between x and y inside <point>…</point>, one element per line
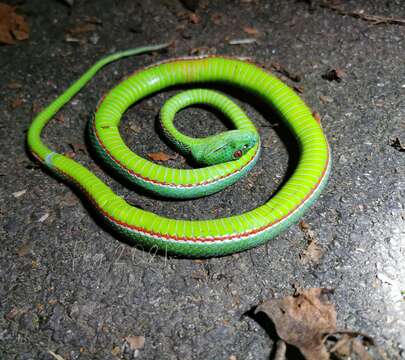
<point>69,286</point>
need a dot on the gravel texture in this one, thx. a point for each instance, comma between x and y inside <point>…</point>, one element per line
<point>68,286</point>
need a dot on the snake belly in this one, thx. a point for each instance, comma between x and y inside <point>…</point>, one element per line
<point>190,238</point>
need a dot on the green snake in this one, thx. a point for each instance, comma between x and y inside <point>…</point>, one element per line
<point>224,157</point>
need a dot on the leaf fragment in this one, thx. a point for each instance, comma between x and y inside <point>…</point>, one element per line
<point>325,99</point>
<point>317,116</point>
<point>398,145</point>
<point>115,351</point>
<point>161,156</point>
<point>194,18</point>
<point>313,253</point>
<point>250,30</point>
<point>24,249</point>
<point>13,313</point>
<point>334,74</point>
<point>135,342</point>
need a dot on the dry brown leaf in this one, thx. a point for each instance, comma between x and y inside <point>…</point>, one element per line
<point>135,342</point>
<point>302,320</point>
<point>342,346</point>
<point>250,30</point>
<point>345,344</point>
<point>359,349</point>
<point>20,31</point>
<point>12,26</point>
<point>161,156</point>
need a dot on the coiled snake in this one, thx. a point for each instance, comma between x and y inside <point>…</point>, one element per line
<point>227,156</point>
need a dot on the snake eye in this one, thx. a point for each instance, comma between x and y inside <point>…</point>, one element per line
<point>237,154</point>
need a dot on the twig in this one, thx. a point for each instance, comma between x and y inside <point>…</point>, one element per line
<point>283,71</point>
<point>374,19</point>
<point>242,41</point>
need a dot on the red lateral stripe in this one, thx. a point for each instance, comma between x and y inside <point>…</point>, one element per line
<point>162,183</point>
<point>183,238</point>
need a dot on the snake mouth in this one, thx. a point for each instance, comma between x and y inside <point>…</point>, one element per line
<point>237,154</point>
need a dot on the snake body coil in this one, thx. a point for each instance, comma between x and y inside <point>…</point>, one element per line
<point>197,238</point>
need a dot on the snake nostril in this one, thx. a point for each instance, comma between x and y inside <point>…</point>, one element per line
<point>237,153</point>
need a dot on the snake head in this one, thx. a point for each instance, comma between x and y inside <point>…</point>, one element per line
<point>224,147</point>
